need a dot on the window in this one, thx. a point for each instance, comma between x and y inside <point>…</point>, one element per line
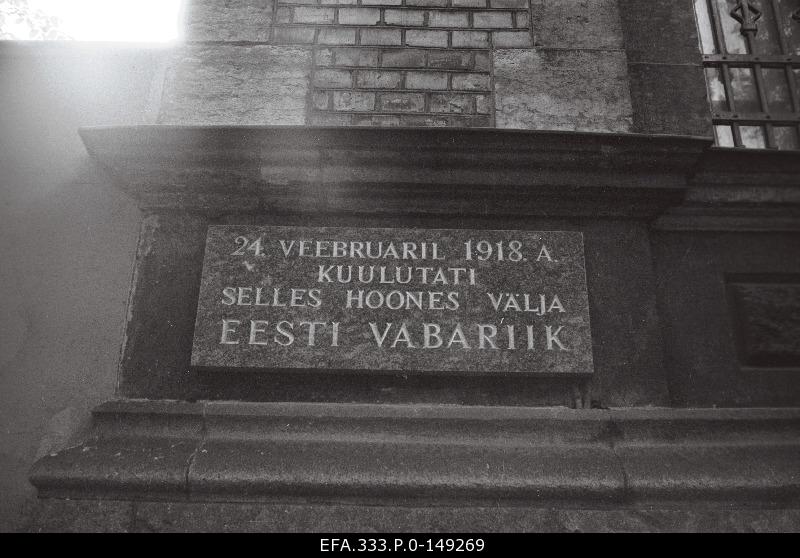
<point>751,55</point>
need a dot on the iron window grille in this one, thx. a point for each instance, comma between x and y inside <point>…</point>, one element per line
<point>751,57</point>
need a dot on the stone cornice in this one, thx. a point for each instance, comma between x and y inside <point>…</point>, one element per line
<point>463,171</point>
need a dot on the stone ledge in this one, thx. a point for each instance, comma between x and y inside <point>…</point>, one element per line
<point>56,515</point>
<point>156,450</point>
<point>737,189</point>
<point>459,171</point>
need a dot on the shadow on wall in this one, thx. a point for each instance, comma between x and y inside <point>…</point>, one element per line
<point>67,242</point>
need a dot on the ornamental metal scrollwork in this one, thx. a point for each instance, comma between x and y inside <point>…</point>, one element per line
<point>747,15</point>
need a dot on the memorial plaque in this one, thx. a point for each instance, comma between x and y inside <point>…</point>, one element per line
<point>410,300</point>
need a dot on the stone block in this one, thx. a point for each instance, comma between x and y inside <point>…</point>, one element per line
<point>401,102</point>
<point>389,37</point>
<point>424,121</point>
<point>124,465</point>
<point>294,35</point>
<point>339,467</point>
<point>359,16</point>
<point>426,3</point>
<point>353,100</point>
<point>383,120</point>
<point>283,15</point>
<point>222,84</point>
<point>356,57</point>
<point>375,79</point>
<point>483,61</point>
<point>449,59</point>
<point>426,80</point>
<point>511,39</point>
<point>669,99</point>
<point>717,472</point>
<point>406,18</point>
<point>233,20</point>
<point>579,23</point>
<point>314,15</point>
<point>323,57</point>
<point>471,39</point>
<point>471,82</point>
<point>483,104</point>
<point>661,32</point>
<point>448,19</point>
<point>332,78</point>
<point>423,38</point>
<point>510,3</point>
<point>403,58</point>
<point>492,19</point>
<point>223,517</point>
<point>562,90</point>
<point>336,36</point>
<point>451,103</point>
<point>321,100</point>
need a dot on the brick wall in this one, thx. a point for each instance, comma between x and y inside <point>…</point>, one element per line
<point>402,62</point>
<point>527,64</point>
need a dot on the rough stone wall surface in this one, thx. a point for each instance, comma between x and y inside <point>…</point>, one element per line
<point>562,89</point>
<point>525,64</point>
<point>236,85</point>
<point>228,20</point>
<point>180,517</point>
<point>665,67</point>
<point>575,76</point>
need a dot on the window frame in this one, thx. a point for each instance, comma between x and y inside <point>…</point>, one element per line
<point>724,62</point>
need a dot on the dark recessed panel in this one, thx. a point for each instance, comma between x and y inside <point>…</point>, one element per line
<point>767,321</point>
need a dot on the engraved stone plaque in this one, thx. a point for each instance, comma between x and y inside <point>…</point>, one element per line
<point>410,300</point>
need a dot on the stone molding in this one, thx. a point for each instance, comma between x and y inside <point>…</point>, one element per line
<point>232,451</point>
<point>286,168</point>
<point>740,190</point>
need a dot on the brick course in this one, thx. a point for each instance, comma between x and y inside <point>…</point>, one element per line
<point>336,36</point>
<point>378,80</point>
<point>404,17</point>
<point>359,16</point>
<point>353,100</point>
<point>471,39</point>
<point>356,57</point>
<point>402,102</point>
<point>492,19</point>
<point>426,80</point>
<point>426,38</point>
<point>313,15</point>
<point>381,37</point>
<point>403,58</point>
